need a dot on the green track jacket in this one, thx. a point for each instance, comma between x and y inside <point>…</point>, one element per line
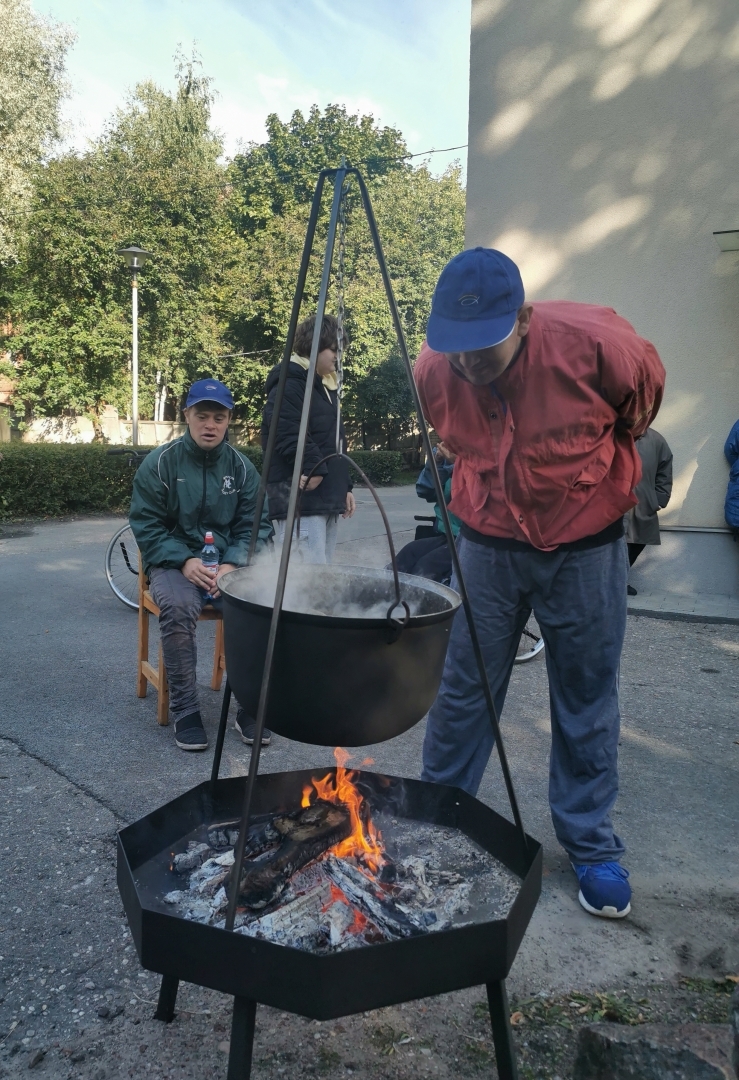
<point>180,492</point>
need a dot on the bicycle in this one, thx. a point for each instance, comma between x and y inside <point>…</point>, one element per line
<point>531,642</point>
<point>122,555</point>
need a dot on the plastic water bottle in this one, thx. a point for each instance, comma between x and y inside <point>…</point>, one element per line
<point>209,557</point>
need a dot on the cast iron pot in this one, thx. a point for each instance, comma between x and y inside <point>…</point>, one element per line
<point>337,680</point>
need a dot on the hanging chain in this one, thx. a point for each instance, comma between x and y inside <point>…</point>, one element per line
<point>340,317</point>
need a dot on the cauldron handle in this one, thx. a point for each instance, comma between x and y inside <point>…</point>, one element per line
<point>396,625</point>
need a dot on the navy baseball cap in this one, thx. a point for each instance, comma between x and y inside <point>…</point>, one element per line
<point>210,390</point>
<point>475,301</point>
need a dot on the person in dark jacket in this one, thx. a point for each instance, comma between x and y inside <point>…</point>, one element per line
<point>653,492</point>
<point>182,490</point>
<point>328,493</point>
<point>429,556</point>
<point>731,504</point>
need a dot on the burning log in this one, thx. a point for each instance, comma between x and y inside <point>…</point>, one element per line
<point>261,835</point>
<point>363,892</point>
<point>304,836</point>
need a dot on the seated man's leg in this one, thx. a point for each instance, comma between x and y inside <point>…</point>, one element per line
<point>180,603</point>
<point>411,554</point>
<point>436,563</point>
<point>459,735</point>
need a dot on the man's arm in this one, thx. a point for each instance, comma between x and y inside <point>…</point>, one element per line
<point>663,478</point>
<point>425,484</point>
<point>632,381</point>
<point>241,527</point>
<point>148,520</point>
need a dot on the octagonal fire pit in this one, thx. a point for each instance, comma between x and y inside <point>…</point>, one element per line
<point>437,834</point>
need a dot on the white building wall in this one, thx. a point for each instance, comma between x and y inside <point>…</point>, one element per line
<point>603,153</point>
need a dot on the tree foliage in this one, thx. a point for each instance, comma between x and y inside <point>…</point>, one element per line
<point>226,239</point>
<point>32,85</point>
<point>421,222</point>
<point>152,179</point>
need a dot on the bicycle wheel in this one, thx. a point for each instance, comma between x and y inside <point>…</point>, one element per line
<point>531,643</point>
<point>122,567</point>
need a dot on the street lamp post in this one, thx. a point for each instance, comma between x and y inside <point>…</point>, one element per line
<point>135,258</point>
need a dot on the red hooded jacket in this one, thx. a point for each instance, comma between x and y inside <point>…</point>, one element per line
<point>546,454</point>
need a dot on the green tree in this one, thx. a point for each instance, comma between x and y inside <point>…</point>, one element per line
<point>226,240</point>
<point>274,177</point>
<point>153,178</point>
<point>421,221</point>
<point>32,85</point>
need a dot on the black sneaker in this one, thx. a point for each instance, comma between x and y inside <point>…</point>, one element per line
<point>189,733</point>
<point>245,727</point>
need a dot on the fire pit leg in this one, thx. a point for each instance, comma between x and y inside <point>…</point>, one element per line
<point>167,999</point>
<point>505,1055</point>
<point>242,1038</point>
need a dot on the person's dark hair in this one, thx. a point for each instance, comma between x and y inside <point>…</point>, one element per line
<point>329,331</point>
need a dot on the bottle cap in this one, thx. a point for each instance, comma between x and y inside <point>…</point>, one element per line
<point>209,538</point>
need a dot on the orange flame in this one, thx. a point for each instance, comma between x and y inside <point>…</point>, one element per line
<point>365,842</point>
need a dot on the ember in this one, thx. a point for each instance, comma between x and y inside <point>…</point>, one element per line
<point>322,877</point>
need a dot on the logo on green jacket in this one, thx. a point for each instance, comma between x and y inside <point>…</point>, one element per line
<point>228,486</point>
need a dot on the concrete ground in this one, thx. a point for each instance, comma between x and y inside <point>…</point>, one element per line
<point>80,755</point>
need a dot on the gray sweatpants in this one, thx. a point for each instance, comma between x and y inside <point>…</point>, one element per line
<point>180,603</point>
<point>316,541</point>
<point>579,599</point>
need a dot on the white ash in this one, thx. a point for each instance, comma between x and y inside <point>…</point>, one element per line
<point>441,879</point>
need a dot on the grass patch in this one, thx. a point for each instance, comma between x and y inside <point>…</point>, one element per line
<point>387,1039</point>
<point>405,476</point>
<point>328,1059</point>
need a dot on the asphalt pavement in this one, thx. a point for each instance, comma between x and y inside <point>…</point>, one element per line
<point>85,755</point>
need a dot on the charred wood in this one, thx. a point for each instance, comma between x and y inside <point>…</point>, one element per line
<point>304,836</point>
<point>365,894</point>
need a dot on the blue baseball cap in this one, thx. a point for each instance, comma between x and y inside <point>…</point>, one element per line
<point>475,302</point>
<point>210,390</point>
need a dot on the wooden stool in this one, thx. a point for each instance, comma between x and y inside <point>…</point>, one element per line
<point>157,676</point>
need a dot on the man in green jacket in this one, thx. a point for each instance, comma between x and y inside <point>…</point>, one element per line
<point>182,490</point>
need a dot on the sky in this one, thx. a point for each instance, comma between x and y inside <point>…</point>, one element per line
<point>404,61</point>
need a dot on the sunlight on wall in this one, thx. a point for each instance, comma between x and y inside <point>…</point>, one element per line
<point>615,20</point>
<point>633,39</point>
<point>676,412</point>
<point>540,256</point>
<point>680,487</point>
<point>486,11</point>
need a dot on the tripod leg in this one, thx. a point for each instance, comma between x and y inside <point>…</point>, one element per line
<point>221,732</point>
<point>242,1038</point>
<point>167,999</point>
<point>505,1055</point>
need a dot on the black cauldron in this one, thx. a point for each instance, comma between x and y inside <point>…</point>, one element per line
<point>343,675</point>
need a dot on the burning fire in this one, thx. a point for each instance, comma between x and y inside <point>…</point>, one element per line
<point>365,842</point>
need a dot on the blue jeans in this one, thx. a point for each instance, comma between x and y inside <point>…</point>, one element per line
<point>180,603</point>
<point>579,600</point>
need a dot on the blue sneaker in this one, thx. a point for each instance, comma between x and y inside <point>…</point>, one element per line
<point>604,889</point>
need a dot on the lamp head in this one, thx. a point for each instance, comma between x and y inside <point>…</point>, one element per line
<point>135,256</point>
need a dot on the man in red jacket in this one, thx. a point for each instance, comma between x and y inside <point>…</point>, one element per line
<point>541,404</point>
